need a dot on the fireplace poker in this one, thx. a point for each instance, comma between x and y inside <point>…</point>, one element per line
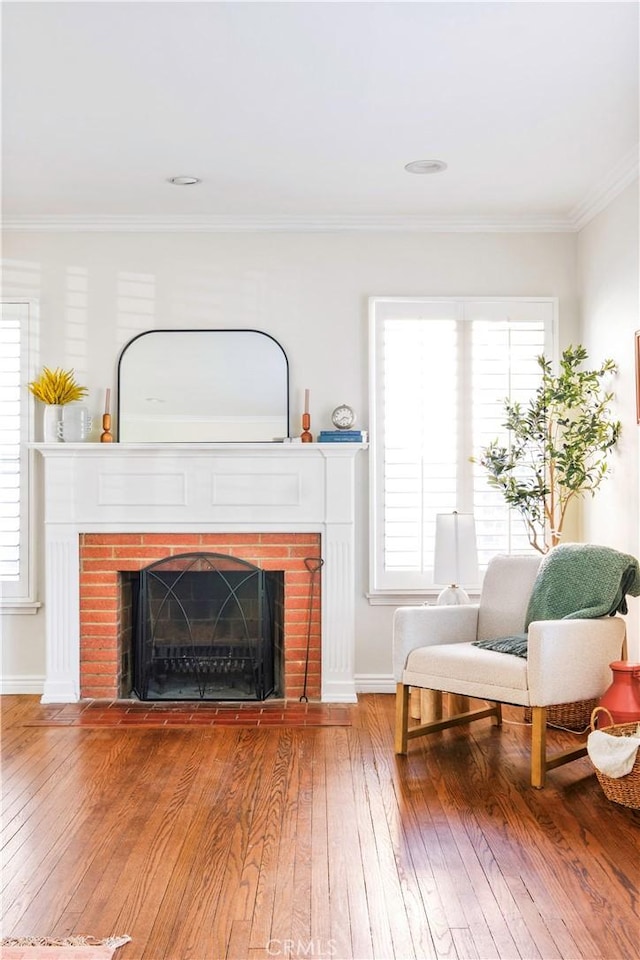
<point>313,565</point>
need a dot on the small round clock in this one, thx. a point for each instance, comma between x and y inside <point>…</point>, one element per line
<point>343,417</point>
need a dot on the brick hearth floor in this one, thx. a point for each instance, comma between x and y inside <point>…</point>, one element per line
<point>135,713</point>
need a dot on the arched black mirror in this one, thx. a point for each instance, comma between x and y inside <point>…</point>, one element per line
<point>199,386</point>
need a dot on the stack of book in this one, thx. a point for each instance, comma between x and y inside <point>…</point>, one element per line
<point>342,436</point>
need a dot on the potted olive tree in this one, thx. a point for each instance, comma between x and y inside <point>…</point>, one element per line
<point>558,445</point>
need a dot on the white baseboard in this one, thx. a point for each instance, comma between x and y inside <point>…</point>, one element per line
<point>375,683</point>
<point>21,684</point>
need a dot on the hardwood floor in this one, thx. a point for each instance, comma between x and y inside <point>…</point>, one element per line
<point>254,843</point>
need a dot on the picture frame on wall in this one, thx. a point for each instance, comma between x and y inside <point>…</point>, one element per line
<point>637,355</point>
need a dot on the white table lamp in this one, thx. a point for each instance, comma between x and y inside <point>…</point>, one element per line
<point>456,555</point>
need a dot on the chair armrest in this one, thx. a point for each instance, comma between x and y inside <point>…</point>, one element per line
<point>569,660</point>
<point>426,626</point>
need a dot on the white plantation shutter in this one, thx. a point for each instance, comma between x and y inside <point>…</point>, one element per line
<point>14,463</point>
<point>441,370</point>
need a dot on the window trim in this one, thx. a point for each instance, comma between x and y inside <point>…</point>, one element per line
<point>24,599</point>
<point>381,595</point>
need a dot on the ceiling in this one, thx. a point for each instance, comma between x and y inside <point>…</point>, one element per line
<point>304,114</point>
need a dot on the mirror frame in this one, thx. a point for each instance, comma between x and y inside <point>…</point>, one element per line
<point>204,330</point>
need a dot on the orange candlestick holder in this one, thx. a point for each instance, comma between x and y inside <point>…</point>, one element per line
<point>305,436</point>
<point>106,436</point>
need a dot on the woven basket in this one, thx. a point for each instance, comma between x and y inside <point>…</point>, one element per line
<point>572,716</point>
<point>624,790</point>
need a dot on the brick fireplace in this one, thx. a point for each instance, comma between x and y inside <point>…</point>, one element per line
<point>105,614</point>
<point>113,508</point>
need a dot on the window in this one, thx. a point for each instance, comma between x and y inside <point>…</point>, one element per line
<point>16,580</point>
<point>440,371</point>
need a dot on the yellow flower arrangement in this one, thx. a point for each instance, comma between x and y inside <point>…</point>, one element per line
<point>57,386</point>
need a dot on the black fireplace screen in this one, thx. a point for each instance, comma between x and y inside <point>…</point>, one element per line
<point>207,627</point>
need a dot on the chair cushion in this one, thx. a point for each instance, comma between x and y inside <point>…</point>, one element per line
<point>506,590</point>
<point>465,669</point>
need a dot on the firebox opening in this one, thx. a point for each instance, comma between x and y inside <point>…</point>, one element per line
<point>206,626</point>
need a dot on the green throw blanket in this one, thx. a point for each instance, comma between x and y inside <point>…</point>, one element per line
<point>575,581</point>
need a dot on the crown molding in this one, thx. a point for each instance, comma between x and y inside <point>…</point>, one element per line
<point>286,223</point>
<point>597,199</point>
<point>623,174</point>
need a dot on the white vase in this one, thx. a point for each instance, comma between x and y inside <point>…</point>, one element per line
<point>51,417</point>
<point>75,423</point>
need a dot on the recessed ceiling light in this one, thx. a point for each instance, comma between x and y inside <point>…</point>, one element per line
<point>184,181</point>
<point>426,166</point>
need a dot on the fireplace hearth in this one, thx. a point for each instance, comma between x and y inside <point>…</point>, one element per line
<point>207,626</point>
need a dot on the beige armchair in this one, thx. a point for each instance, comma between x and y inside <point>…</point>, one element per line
<point>568,660</point>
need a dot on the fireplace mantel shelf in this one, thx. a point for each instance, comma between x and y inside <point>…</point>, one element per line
<point>199,449</point>
<point>200,487</point>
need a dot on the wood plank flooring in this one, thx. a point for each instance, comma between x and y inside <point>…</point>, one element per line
<point>249,843</point>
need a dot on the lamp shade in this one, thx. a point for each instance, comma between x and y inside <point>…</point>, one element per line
<point>456,554</point>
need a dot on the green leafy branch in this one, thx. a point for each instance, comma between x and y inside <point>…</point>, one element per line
<point>558,447</point>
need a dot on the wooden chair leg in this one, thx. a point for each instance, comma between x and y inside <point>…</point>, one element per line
<point>538,746</point>
<point>540,762</point>
<point>497,717</point>
<point>403,694</point>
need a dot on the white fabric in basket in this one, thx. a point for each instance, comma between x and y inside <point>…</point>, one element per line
<point>613,756</point>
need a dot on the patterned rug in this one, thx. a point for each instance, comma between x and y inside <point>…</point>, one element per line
<point>134,713</point>
<point>68,948</point>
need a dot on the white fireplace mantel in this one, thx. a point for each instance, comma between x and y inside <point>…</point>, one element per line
<point>212,488</point>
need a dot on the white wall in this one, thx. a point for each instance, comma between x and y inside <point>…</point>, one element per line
<point>608,278</point>
<point>310,291</point>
